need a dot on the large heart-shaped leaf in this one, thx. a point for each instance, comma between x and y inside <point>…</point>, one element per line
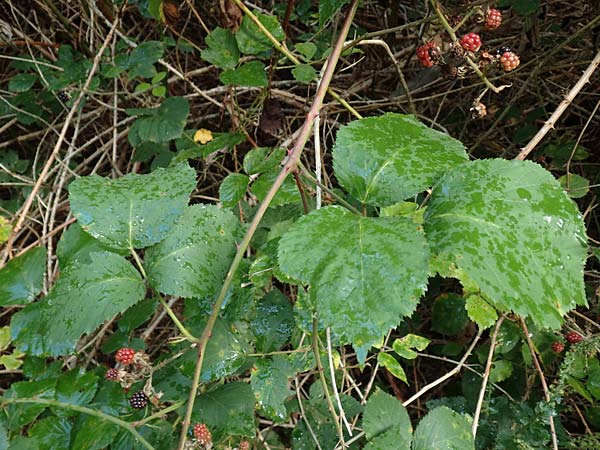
<point>365,273</point>
<point>193,260</point>
<point>511,228</point>
<point>384,160</point>
<point>134,211</point>
<point>86,295</point>
<point>444,429</point>
<point>21,280</point>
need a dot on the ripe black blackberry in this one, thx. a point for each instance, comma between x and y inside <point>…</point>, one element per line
<point>139,400</point>
<point>63,96</point>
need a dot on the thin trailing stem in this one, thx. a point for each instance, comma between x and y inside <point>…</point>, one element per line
<point>82,409</point>
<point>290,165</point>
<point>538,367</point>
<point>486,374</point>
<point>330,406</point>
<point>450,374</point>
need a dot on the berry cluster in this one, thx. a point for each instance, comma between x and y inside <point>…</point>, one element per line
<point>471,42</point>
<point>63,96</point>
<point>125,355</point>
<point>509,61</point>
<point>202,434</point>
<point>428,54</point>
<point>558,347</point>
<point>244,445</point>
<point>493,19</point>
<point>138,400</point>
<point>573,337</point>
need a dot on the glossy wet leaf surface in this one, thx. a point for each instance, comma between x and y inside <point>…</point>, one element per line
<point>193,260</point>
<point>21,279</point>
<point>273,322</point>
<point>365,273</point>
<point>135,210</point>
<point>83,298</point>
<point>384,160</point>
<point>444,429</point>
<point>511,228</point>
<point>269,381</point>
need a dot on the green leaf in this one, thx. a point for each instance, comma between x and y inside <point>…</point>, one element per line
<point>227,411</point>
<point>384,160</point>
<point>306,49</point>
<point>383,414</point>
<point>134,211</point>
<point>263,159</point>
<point>525,7</point>
<point>288,193</point>
<point>444,429</point>
<point>193,260</point>
<point>52,433</point>
<point>575,185</point>
<point>327,8</point>
<point>21,82</point>
<point>252,41</point>
<point>187,148</point>
<point>365,273</point>
<point>481,312</point>
<point>142,58</point>
<point>403,346</point>
<point>159,91</point>
<point>233,188</point>
<point>511,228</point>
<point>160,124</point>
<point>22,414</point>
<point>392,365</point>
<point>249,74</point>
<point>5,230</point>
<point>142,87</point>
<point>22,278</point>
<point>501,370</point>
<point>222,49</point>
<point>77,243</point>
<point>273,322</point>
<point>103,434</point>
<point>269,381</point>
<point>83,298</point>
<point>449,315</point>
<point>304,73</point>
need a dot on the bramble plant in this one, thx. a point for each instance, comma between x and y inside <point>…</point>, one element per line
<point>379,288</point>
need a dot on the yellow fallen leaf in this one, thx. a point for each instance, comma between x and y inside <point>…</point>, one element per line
<point>203,136</point>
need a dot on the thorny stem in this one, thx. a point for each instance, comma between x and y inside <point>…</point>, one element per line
<point>82,409</point>
<point>289,166</point>
<point>289,55</point>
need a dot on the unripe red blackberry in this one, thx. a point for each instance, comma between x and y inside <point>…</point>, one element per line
<point>429,54</point>
<point>202,434</point>
<point>558,347</point>
<point>493,19</point>
<point>244,445</point>
<point>573,337</point>
<point>470,42</point>
<point>125,355</point>
<point>139,400</point>
<point>509,61</point>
